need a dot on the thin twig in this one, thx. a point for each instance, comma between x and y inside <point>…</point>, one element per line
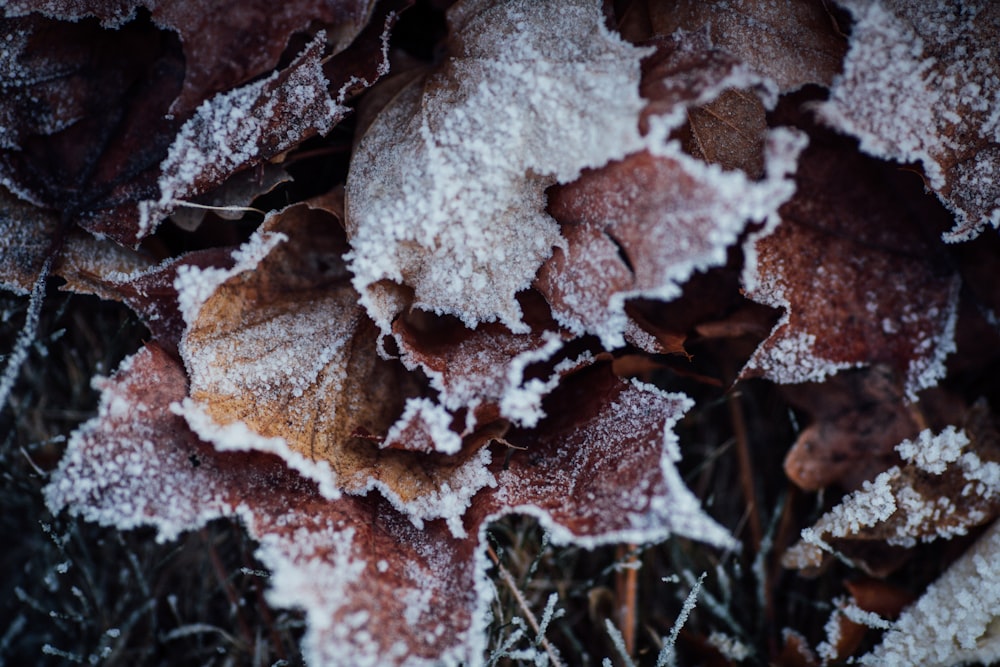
<point>746,468</point>
<point>554,658</point>
<point>627,594</point>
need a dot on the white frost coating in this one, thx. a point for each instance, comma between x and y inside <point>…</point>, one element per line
<point>435,417</point>
<point>312,560</point>
<point>955,620</point>
<point>446,190</point>
<point>237,436</point>
<point>521,401</point>
<point>908,106</point>
<point>792,360</point>
<point>671,508</point>
<point>229,131</point>
<point>195,285</point>
<point>450,500</point>
<point>124,480</point>
<point>932,453</point>
<point>925,370</point>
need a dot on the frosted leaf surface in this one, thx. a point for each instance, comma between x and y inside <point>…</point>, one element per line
<point>137,464</point>
<point>954,621</point>
<point>242,127</point>
<point>670,214</point>
<point>446,189</point>
<point>225,43</point>
<point>356,563</point>
<point>949,482</point>
<point>921,84</point>
<point>859,283</point>
<point>25,236</point>
<point>601,467</point>
<point>483,369</point>
<point>282,358</point>
<point>790,42</point>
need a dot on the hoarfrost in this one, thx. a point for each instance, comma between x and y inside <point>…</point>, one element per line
<point>920,83</point>
<point>954,621</point>
<point>239,128</point>
<point>446,189</point>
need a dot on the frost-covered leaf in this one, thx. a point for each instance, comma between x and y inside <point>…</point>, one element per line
<point>949,483</point>
<point>225,43</point>
<point>920,84</point>
<point>600,473</point>
<point>138,464</point>
<point>641,226</point>
<point>859,282</point>
<point>281,358</point>
<point>446,190</point>
<point>954,621</point>
<point>240,128</point>
<point>669,214</point>
<point>600,467</point>
<point>26,239</point>
<point>791,42</point>
<point>116,156</point>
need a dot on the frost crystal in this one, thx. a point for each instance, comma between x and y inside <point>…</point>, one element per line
<point>446,190</point>
<point>920,83</point>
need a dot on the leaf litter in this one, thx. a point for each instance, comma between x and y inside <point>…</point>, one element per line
<point>368,389</point>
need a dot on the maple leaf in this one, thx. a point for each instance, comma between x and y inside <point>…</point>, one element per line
<point>920,85</point>
<point>115,152</point>
<point>461,223</point>
<point>601,472</point>
<point>641,226</point>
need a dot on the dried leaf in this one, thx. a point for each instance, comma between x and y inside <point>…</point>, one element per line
<point>949,484</point>
<point>461,222</point>
<point>281,358</point>
<point>669,214</point>
<point>425,590</point>
<point>859,283</point>
<point>954,621</point>
<point>791,42</point>
<point>225,44</point>
<point>920,84</point>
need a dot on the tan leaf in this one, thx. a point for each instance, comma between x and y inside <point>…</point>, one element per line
<point>282,358</point>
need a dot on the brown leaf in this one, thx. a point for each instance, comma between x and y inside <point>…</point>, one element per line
<point>948,485</point>
<point>282,358</point>
<point>113,156</point>
<point>422,588</point>
<point>859,282</point>
<point>461,223</point>
<point>792,42</point>
<point>670,215</point>
<point>225,43</point>
<point>920,85</point>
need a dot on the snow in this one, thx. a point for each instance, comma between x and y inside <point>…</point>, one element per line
<point>446,189</point>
